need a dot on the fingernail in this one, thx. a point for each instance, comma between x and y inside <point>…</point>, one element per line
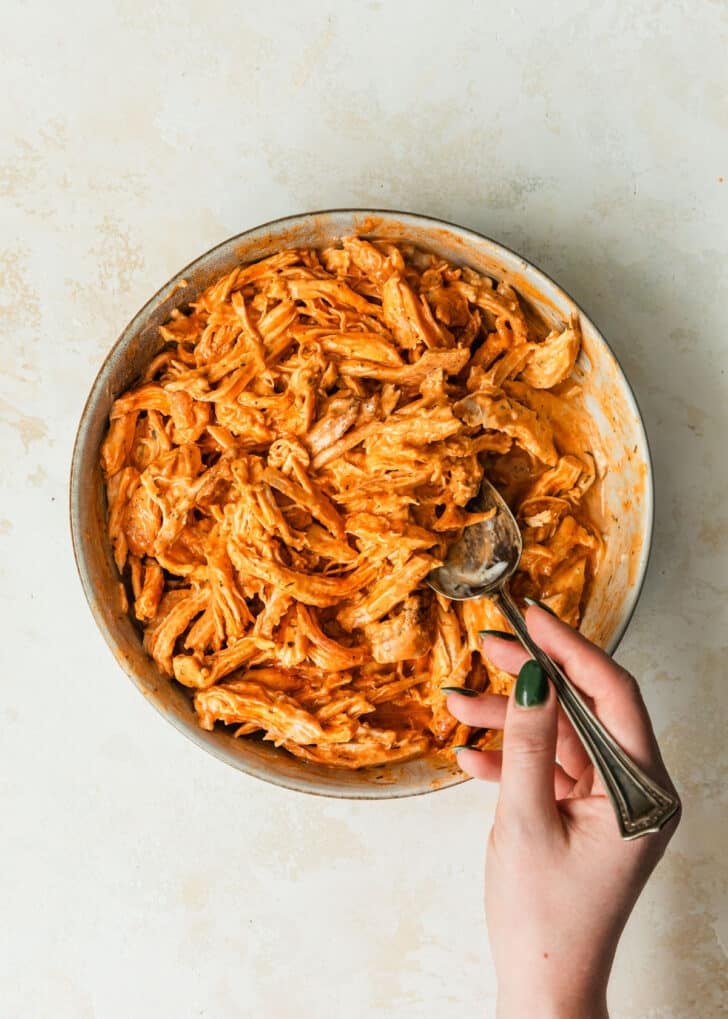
<point>462,746</point>
<point>500,634</point>
<point>532,686</point>
<point>540,605</point>
<point>459,689</point>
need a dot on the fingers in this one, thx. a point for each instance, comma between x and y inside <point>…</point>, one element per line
<point>570,750</point>
<point>483,764</point>
<point>488,711</point>
<point>564,784</point>
<point>487,765</point>
<point>529,750</point>
<point>615,694</point>
<point>505,655</point>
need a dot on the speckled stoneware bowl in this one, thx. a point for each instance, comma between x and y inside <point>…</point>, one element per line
<point>622,455</point>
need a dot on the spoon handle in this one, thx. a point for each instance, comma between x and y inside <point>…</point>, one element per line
<point>641,805</point>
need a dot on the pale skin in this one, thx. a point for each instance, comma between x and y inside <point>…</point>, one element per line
<point>560,883</point>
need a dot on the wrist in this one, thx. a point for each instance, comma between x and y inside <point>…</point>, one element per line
<point>531,999</point>
<point>563,983</point>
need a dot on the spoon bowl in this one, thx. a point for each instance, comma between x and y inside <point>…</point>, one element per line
<point>486,555</point>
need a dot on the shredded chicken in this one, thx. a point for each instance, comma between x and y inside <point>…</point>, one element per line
<point>300,455</point>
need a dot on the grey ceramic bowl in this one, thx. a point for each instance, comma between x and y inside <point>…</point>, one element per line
<point>627,493</point>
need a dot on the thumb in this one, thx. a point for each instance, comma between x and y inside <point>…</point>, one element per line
<point>529,748</point>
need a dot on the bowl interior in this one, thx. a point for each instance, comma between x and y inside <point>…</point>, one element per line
<point>624,507</point>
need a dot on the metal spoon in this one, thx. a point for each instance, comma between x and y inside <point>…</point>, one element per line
<point>481,563</point>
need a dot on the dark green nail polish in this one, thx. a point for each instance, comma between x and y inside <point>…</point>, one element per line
<point>532,686</point>
<point>540,605</point>
<point>500,634</point>
<point>459,689</point>
<point>461,746</point>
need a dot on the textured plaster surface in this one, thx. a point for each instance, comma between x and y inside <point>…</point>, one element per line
<point>140,877</point>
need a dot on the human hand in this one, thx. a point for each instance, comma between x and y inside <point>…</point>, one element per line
<point>560,881</point>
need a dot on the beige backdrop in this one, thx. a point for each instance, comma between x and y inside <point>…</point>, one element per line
<point>139,877</point>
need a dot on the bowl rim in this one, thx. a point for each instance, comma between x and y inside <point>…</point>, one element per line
<point>193,732</point>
